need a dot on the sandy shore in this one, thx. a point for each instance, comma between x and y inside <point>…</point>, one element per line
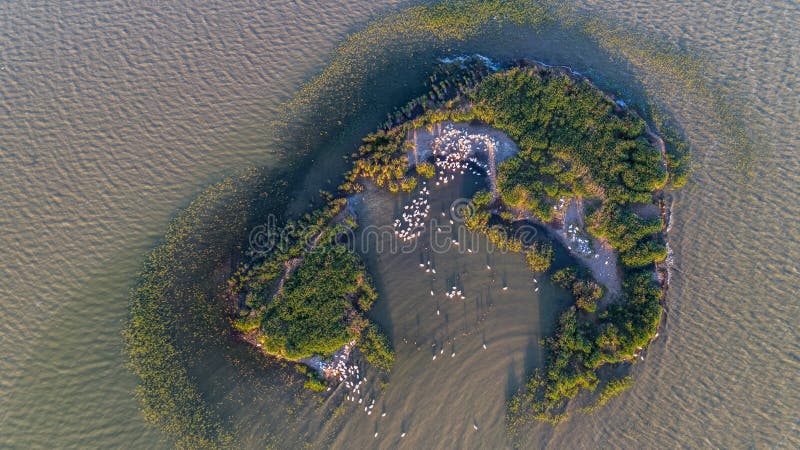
<point>601,260</point>
<point>486,141</point>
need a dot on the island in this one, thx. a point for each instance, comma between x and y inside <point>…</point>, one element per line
<point>305,299</point>
<point>552,151</point>
<point>584,166</point>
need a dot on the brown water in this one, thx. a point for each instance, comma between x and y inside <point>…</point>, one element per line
<point>436,402</point>
<point>113,115</point>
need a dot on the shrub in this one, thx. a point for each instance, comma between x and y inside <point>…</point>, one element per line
<point>507,216</point>
<point>591,144</point>
<point>426,170</point>
<point>308,316</point>
<point>476,220</point>
<point>481,199</point>
<point>586,294</point>
<point>247,324</point>
<point>408,184</point>
<point>539,256</point>
<point>612,389</point>
<point>499,237</point>
<point>313,381</point>
<point>644,253</point>
<point>565,277</point>
<point>621,227</point>
<point>375,347</point>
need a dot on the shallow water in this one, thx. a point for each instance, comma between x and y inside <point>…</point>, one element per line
<point>437,401</point>
<point>113,115</point>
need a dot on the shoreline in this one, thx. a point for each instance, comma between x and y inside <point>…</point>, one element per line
<point>601,260</point>
<point>662,269</point>
<point>327,368</point>
<point>567,226</point>
<point>609,273</point>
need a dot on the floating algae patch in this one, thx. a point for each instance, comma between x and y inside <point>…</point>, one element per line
<point>174,311</point>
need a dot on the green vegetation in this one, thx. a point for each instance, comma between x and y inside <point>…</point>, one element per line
<point>539,256</point>
<point>477,220</point>
<point>586,291</point>
<point>677,151</point>
<point>644,254</point>
<point>257,280</point>
<point>383,155</point>
<point>314,380</point>
<point>173,311</point>
<point>500,237</point>
<point>636,239</point>
<point>382,159</point>
<point>612,389</point>
<point>631,324</point>
<point>315,384</point>
<point>565,277</point>
<point>587,294</point>
<point>667,71</point>
<point>375,347</point>
<point>426,169</point>
<point>311,315</point>
<point>566,139</point>
<point>575,142</point>
<point>309,295</point>
<point>499,234</point>
<point>581,345</point>
<point>161,295</point>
